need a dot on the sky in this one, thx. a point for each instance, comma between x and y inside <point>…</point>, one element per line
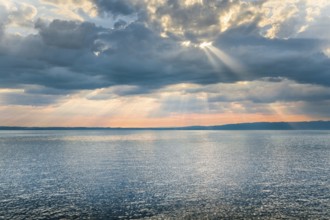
<point>160,63</point>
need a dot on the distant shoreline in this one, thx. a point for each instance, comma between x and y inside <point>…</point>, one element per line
<point>309,125</point>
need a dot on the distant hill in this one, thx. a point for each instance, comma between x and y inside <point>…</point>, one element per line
<point>311,125</point>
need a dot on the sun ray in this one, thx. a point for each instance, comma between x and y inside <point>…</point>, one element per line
<point>212,59</point>
<point>213,53</point>
<point>230,62</point>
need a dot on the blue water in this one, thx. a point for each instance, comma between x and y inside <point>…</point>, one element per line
<point>164,174</point>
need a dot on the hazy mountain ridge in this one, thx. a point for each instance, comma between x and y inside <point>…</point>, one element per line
<point>310,125</point>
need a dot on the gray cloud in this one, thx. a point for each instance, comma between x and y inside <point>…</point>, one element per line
<point>197,22</point>
<point>67,34</point>
<point>20,98</point>
<point>2,30</point>
<point>66,56</point>
<point>243,97</point>
<point>63,55</point>
<point>268,92</point>
<point>314,108</point>
<point>115,7</point>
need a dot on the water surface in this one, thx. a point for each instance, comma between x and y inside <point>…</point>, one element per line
<point>164,174</point>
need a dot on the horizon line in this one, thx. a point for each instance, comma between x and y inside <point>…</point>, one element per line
<point>169,127</point>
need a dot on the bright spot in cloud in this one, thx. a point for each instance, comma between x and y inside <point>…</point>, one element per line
<point>201,45</point>
<point>205,44</point>
<point>186,43</point>
<point>327,52</point>
<point>213,54</point>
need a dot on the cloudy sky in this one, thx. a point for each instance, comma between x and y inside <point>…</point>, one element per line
<point>144,63</point>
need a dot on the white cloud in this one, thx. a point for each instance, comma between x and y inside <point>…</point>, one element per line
<point>286,19</point>
<point>17,17</point>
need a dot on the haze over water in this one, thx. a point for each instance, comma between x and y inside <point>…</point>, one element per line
<point>164,174</point>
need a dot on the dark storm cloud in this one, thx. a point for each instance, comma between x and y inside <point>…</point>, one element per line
<point>67,34</point>
<point>120,24</point>
<point>29,99</point>
<point>69,55</point>
<point>115,7</point>
<point>62,56</point>
<point>45,90</point>
<point>301,60</point>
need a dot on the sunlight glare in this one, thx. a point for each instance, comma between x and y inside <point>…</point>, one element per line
<point>212,59</point>
<point>205,45</point>
<point>186,43</point>
<point>213,52</point>
<point>231,63</point>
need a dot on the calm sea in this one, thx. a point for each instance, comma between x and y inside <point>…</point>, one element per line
<point>164,174</point>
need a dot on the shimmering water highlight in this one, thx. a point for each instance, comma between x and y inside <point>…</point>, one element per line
<point>164,174</point>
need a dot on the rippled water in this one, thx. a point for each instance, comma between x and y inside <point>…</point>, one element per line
<point>164,174</point>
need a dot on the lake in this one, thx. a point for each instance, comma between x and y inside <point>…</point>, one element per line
<point>164,174</point>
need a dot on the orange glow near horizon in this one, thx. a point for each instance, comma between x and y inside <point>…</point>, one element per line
<point>48,118</point>
<point>173,106</point>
